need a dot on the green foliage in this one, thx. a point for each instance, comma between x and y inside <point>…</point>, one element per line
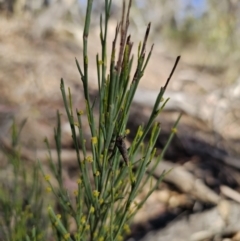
<point>112,176</point>
<point>216,31</point>
<point>20,198</point>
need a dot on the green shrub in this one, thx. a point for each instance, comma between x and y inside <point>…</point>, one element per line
<point>21,202</point>
<point>112,176</point>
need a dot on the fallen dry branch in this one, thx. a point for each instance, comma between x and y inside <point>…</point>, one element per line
<point>216,108</point>
<point>230,193</point>
<point>186,182</point>
<point>219,221</point>
<point>197,141</point>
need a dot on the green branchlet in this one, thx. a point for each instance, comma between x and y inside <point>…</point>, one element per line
<point>21,204</point>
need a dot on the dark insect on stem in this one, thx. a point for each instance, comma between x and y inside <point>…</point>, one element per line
<point>121,145</point>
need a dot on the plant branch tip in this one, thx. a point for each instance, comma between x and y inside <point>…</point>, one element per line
<point>171,74</point>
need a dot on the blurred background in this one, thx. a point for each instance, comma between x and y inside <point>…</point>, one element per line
<point>39,40</point>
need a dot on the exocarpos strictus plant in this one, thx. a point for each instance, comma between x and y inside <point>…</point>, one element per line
<point>113,175</point>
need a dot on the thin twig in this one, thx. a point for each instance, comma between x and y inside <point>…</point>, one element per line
<point>170,76</point>
<point>145,39</point>
<point>124,30</point>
